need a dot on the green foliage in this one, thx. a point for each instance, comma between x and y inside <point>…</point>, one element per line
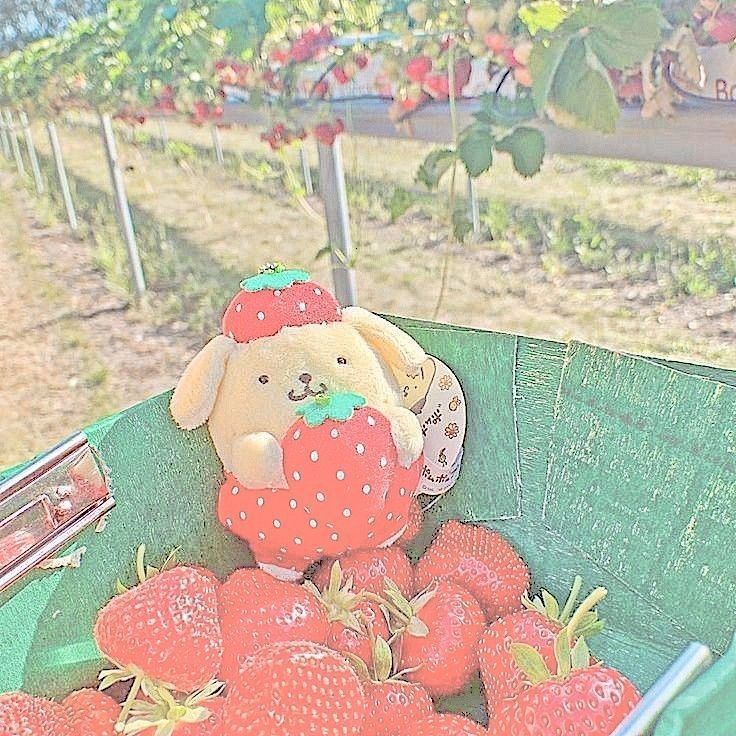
<point>401,200</point>
<point>435,166</point>
<point>526,146</point>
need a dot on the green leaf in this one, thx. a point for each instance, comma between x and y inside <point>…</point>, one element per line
<point>475,149</point>
<point>562,654</point>
<point>434,167</point>
<point>337,406</point>
<point>530,662</point>
<point>620,34</point>
<point>382,659</point>
<point>526,146</point>
<point>229,15</point>
<point>551,606</point>
<point>580,656</point>
<point>274,276</point>
<point>544,15</point>
<point>461,224</point>
<point>505,111</point>
<point>544,63</point>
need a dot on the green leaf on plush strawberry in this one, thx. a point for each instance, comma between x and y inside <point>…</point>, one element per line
<point>274,276</point>
<point>337,406</point>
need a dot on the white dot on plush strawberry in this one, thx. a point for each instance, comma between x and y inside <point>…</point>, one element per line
<point>297,540</point>
<point>313,523</point>
<point>260,501</point>
<point>346,513</point>
<point>297,434</point>
<point>371,519</point>
<point>318,291</point>
<point>277,292</point>
<point>383,462</point>
<point>371,535</point>
<point>235,490</point>
<point>261,316</point>
<point>360,448</point>
<point>402,491</point>
<point>389,516</point>
<point>243,515</point>
<point>292,503</point>
<point>238,307</point>
<point>366,489</point>
<point>320,496</point>
<point>334,537</point>
<point>276,523</point>
<point>334,434</point>
<point>302,307</point>
<point>314,456</point>
<point>340,475</point>
<point>261,536</point>
<point>229,522</point>
<point>296,475</point>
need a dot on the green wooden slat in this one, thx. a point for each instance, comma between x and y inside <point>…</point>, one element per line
<point>642,479</point>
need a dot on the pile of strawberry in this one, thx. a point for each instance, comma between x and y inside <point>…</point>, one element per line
<point>367,646</point>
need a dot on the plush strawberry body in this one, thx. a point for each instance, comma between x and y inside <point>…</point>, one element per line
<point>480,560</point>
<point>275,299</point>
<point>295,689</point>
<point>394,706</point>
<point>448,724</point>
<point>91,712</point>
<point>590,702</point>
<point>24,715</point>
<point>447,656</point>
<point>369,570</point>
<point>167,627</point>
<point>346,491</point>
<point>256,610</point>
<point>502,678</point>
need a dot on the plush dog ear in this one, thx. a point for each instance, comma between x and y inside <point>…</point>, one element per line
<point>195,394</point>
<point>399,351</point>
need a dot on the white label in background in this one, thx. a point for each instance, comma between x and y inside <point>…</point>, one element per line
<point>434,394</point>
<point>719,63</point>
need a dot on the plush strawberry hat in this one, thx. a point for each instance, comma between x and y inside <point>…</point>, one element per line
<point>274,298</point>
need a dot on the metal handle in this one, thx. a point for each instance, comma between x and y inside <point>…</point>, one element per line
<point>48,503</point>
<point>683,671</point>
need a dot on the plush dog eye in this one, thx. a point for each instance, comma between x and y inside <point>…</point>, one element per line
<point>342,361</point>
<point>263,378</point>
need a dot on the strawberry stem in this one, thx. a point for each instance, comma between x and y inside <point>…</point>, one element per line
<point>572,599</point>
<point>128,704</point>
<point>585,607</point>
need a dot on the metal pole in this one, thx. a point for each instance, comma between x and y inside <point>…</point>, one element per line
<point>686,668</point>
<point>473,210</point>
<point>217,143</point>
<point>4,138</point>
<point>14,143</point>
<point>61,173</point>
<point>306,170</point>
<point>163,131</point>
<point>28,135</point>
<point>334,196</point>
<point>121,203</point>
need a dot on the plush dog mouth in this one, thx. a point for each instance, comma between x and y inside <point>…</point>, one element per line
<point>308,391</point>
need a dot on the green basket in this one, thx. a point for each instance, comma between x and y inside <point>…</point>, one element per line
<point>618,468</point>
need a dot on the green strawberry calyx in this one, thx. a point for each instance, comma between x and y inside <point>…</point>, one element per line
<point>382,667</point>
<point>274,276</point>
<point>144,571</point>
<point>403,615</point>
<point>163,712</point>
<point>587,622</point>
<point>338,406</point>
<point>339,599</point>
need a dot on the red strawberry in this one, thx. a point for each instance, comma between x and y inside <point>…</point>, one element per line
<point>320,89</point>
<point>479,559</point>
<point>256,610</point>
<point>537,626</point>
<point>579,699</point>
<point>369,570</point>
<point>463,68</point>
<point>496,42</point>
<point>327,132</point>
<point>722,26</point>
<point>437,86</point>
<point>92,713</point>
<point>416,519</point>
<point>166,628</point>
<point>200,714</point>
<point>277,298</point>
<point>346,488</point>
<point>439,632</point>
<point>392,704</point>
<point>355,618</point>
<point>24,715</point>
<point>417,68</point>
<point>361,61</point>
<point>339,73</point>
<point>295,688</point>
<point>448,724</point>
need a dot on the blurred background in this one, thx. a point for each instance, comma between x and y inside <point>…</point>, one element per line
<point>637,257</point>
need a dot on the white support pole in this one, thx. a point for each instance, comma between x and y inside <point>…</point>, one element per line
<point>306,170</point>
<point>163,132</point>
<point>334,196</point>
<point>4,139</point>
<point>217,143</point>
<point>473,210</point>
<point>122,206</point>
<point>32,156</point>
<point>66,194</point>
<point>14,143</point>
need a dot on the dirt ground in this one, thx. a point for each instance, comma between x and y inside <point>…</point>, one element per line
<point>74,347</point>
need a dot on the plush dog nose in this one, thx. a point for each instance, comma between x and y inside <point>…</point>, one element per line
<point>305,378</point>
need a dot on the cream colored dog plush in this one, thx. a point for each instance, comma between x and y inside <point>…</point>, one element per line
<point>285,340</point>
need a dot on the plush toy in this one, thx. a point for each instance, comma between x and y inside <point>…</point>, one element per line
<point>301,402</point>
